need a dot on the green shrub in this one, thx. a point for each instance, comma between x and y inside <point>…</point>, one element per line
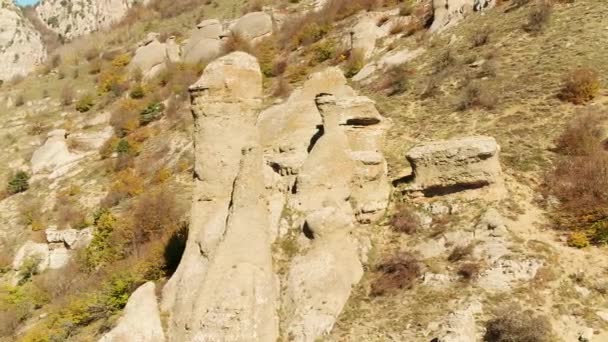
<point>151,113</point>
<point>137,92</point>
<point>29,268</point>
<point>599,232</point>
<point>101,249</point>
<point>19,183</point>
<point>323,51</point>
<point>85,103</point>
<point>123,147</point>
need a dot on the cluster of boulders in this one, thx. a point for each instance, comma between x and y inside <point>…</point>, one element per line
<point>56,252</point>
<point>206,43</point>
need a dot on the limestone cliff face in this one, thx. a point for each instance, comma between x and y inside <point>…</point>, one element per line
<point>75,18</point>
<point>21,48</point>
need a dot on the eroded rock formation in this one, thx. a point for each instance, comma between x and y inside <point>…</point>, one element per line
<point>309,167</point>
<point>225,103</point>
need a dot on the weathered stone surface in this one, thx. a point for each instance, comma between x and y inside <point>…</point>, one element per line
<point>447,13</point>
<point>21,45</point>
<point>30,249</point>
<point>505,272</point>
<point>72,238</point>
<point>54,157</point>
<point>288,130</point>
<point>364,129</point>
<point>205,43</point>
<point>225,102</point>
<point>93,140</point>
<point>253,25</point>
<point>59,256</point>
<point>319,284</point>
<point>387,61</point>
<point>140,320</point>
<point>460,325</point>
<point>451,165</point>
<point>151,58</point>
<point>245,292</point>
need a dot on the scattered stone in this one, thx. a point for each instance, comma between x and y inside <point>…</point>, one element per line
<point>505,272</point>
<point>447,13</point>
<point>460,325</point>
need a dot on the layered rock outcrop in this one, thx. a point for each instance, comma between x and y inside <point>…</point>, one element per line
<point>21,47</point>
<point>446,166</point>
<point>75,18</point>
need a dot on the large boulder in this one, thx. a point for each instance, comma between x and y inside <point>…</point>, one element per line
<point>140,321</point>
<point>152,57</point>
<point>253,25</point>
<point>205,43</point>
<point>22,48</point>
<point>54,157</point>
<point>447,166</point>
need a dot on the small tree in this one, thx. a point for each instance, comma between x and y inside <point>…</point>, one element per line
<point>19,183</point>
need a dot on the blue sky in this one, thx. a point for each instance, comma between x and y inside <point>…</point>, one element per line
<point>25,2</point>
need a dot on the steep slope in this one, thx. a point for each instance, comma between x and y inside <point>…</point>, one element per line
<point>21,48</point>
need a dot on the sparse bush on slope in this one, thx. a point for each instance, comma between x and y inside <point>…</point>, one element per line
<point>18,183</point>
<point>579,181</point>
<point>397,272</point>
<point>580,86</point>
<point>515,325</point>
